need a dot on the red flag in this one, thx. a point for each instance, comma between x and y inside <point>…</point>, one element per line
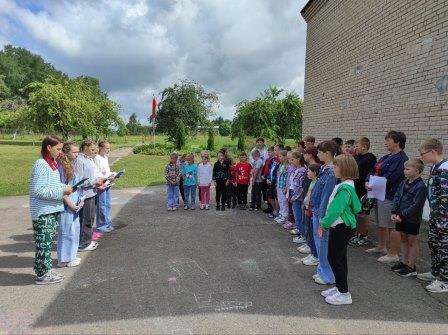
<point>154,108</point>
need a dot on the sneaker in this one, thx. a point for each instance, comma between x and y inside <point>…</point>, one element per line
<point>294,232</point>
<point>92,246</point>
<point>320,281</point>
<point>397,267</point>
<point>329,292</point>
<point>310,261</point>
<point>279,220</point>
<point>304,249</point>
<point>169,209</point>
<point>251,208</point>
<point>71,264</point>
<point>185,207</point>
<point>388,259</point>
<point>48,278</point>
<point>207,207</point>
<point>288,225</point>
<point>55,273</point>
<point>376,251</point>
<point>339,299</point>
<point>272,215</point>
<point>354,241</point>
<point>257,209</point>
<point>201,207</point>
<point>407,271</point>
<point>299,239</point>
<point>437,286</point>
<point>315,276</point>
<point>174,209</point>
<point>362,240</point>
<point>193,208</point>
<point>426,276</point>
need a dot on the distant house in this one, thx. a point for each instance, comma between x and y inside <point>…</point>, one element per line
<point>203,129</point>
<point>372,66</point>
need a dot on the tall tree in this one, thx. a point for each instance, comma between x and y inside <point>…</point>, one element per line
<point>134,126</point>
<point>183,107</point>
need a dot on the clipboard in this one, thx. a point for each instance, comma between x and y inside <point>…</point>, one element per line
<point>79,183</point>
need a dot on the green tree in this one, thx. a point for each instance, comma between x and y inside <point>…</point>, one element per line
<point>224,129</point>
<point>275,114</point>
<point>71,106</point>
<point>186,105</point>
<point>180,137</point>
<point>211,138</point>
<point>241,145</point>
<point>19,67</point>
<point>134,126</point>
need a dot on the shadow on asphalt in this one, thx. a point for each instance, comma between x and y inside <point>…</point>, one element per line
<point>16,279</point>
<point>198,262</point>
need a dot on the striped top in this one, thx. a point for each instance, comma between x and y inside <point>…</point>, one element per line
<point>46,190</point>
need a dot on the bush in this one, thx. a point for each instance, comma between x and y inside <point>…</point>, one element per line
<point>181,135</point>
<point>241,141</point>
<point>224,129</point>
<point>211,140</point>
<point>157,150</point>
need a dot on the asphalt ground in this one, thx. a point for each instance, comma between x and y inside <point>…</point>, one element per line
<point>200,272</point>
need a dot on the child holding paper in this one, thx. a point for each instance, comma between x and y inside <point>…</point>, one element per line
<point>407,215</point>
<point>68,230</point>
<point>172,177</point>
<point>205,175</point>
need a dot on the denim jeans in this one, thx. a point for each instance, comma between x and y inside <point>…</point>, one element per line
<point>172,196</point>
<point>324,268</point>
<point>190,195</point>
<point>297,210</point>
<point>308,223</point>
<point>103,210</point>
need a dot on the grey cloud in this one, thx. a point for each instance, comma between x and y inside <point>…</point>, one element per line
<point>136,48</point>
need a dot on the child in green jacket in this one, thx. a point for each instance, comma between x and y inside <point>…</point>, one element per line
<point>340,218</point>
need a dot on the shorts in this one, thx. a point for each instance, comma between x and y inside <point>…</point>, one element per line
<point>408,228</point>
<point>271,192</point>
<point>383,212</point>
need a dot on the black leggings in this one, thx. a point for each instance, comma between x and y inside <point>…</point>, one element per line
<point>337,254</point>
<point>221,193</point>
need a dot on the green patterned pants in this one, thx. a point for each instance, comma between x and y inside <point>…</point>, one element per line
<point>44,229</point>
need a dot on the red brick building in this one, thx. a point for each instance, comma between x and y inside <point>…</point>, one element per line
<point>376,65</point>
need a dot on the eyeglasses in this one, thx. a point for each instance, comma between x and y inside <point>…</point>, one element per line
<point>424,153</point>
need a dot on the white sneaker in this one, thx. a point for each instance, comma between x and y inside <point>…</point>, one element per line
<point>299,239</point>
<point>329,292</point>
<point>315,276</point>
<point>71,264</point>
<point>376,251</point>
<point>207,207</point>
<point>426,276</point>
<point>319,280</point>
<point>311,261</point>
<point>304,249</point>
<point>438,286</point>
<point>92,246</point>
<point>339,299</point>
<point>294,231</point>
<point>279,219</point>
<point>388,259</point>
<point>169,209</point>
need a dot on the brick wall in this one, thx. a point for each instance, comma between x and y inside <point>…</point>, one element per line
<point>377,65</point>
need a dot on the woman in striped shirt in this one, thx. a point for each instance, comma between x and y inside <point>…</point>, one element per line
<point>46,204</point>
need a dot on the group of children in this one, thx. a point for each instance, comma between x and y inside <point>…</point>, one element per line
<point>319,194</point>
<point>69,192</point>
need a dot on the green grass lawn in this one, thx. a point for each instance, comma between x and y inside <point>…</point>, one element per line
<point>15,165</point>
<point>16,162</point>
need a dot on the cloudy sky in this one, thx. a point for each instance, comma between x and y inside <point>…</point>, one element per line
<point>136,48</point>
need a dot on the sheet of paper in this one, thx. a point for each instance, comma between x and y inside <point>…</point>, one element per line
<point>377,187</point>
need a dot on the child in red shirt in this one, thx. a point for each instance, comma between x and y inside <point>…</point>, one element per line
<point>243,169</point>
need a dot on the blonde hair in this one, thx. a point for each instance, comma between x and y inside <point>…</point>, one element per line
<point>364,141</point>
<point>67,165</point>
<point>415,163</point>
<point>347,166</point>
<point>190,155</point>
<point>432,144</point>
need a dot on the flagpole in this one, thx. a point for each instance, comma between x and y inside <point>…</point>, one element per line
<point>154,133</point>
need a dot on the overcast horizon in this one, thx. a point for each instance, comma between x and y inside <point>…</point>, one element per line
<point>137,48</point>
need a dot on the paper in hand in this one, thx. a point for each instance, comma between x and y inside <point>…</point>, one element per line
<point>119,174</point>
<point>79,183</point>
<point>80,203</point>
<point>377,187</point>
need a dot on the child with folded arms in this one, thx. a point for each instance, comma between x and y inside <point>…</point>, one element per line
<point>407,215</point>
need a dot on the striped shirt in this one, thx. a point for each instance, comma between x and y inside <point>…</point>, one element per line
<point>282,176</point>
<point>46,190</point>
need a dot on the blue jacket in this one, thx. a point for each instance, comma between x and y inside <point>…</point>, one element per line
<point>325,183</point>
<point>392,168</point>
<point>409,205</point>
